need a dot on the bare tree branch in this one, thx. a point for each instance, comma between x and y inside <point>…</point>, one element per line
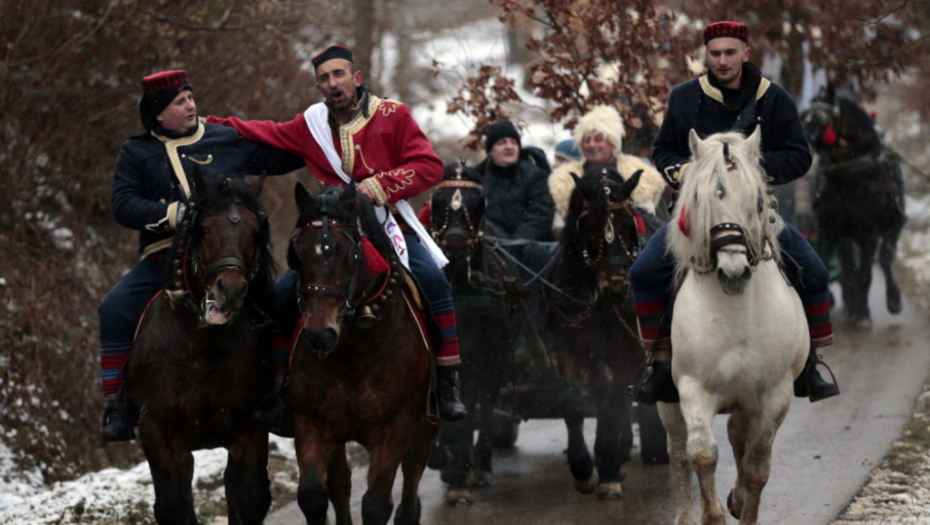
<point>886,15</point>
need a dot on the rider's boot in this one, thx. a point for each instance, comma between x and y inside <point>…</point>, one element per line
<point>119,418</point>
<point>659,386</point>
<point>811,384</point>
<point>450,406</point>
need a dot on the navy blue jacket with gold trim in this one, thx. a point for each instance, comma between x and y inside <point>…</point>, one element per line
<point>700,104</point>
<point>154,172</point>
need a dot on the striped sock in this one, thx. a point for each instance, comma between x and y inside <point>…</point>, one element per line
<point>448,354</point>
<point>112,361</point>
<point>650,316</point>
<point>818,321</point>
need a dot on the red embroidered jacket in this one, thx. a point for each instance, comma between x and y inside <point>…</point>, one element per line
<point>388,145</point>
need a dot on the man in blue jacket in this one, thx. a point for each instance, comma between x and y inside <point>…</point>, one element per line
<point>732,96</point>
<point>152,180</point>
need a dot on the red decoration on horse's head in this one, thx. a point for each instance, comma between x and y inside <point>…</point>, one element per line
<point>374,262</point>
<point>683,223</point>
<point>829,136</point>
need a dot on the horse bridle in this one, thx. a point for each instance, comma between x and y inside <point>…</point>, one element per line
<point>597,262</point>
<point>475,230</point>
<point>202,273</point>
<point>351,302</point>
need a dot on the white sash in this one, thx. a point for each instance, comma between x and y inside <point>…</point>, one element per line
<point>316,117</point>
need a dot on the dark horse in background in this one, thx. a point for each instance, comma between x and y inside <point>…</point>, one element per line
<point>201,361</point>
<point>860,205</point>
<point>482,310</point>
<point>593,325</point>
<point>360,368</point>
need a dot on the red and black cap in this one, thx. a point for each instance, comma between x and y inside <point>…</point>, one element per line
<point>331,53</point>
<point>158,91</point>
<point>728,29</point>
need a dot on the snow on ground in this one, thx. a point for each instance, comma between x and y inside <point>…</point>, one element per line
<point>110,495</point>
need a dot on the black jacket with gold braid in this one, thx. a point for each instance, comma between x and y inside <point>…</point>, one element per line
<point>700,104</point>
<point>154,172</point>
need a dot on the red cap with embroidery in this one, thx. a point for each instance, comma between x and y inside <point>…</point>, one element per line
<point>729,29</point>
<point>164,80</point>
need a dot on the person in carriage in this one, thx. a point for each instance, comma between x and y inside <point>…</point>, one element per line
<point>599,134</point>
<point>356,136</point>
<point>733,96</point>
<point>151,182</point>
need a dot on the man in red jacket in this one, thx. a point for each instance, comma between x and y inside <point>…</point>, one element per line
<point>355,135</point>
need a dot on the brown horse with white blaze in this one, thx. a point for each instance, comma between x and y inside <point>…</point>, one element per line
<point>360,367</point>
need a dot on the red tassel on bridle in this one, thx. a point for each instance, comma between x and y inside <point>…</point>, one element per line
<point>683,223</point>
<point>640,226</point>
<point>829,136</point>
<point>374,262</point>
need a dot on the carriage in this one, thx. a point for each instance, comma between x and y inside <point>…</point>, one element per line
<point>576,366</point>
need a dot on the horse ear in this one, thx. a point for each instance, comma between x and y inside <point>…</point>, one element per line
<point>578,185</point>
<point>201,187</point>
<point>255,187</point>
<point>695,144</point>
<point>302,197</point>
<point>630,184</point>
<point>751,146</point>
<point>348,196</point>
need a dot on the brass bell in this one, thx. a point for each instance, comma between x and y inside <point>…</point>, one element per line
<point>365,318</point>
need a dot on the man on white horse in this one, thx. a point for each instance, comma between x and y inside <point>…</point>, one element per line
<point>733,97</point>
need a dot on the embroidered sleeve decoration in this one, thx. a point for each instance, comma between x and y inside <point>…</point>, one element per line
<point>404,179</point>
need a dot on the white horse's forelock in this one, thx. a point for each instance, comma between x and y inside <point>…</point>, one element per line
<point>743,187</point>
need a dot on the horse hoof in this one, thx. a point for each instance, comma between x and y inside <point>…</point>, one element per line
<point>587,487</point>
<point>894,305</point>
<point>484,479</point>
<point>456,497</point>
<point>731,505</point>
<point>609,491</point>
<point>863,324</point>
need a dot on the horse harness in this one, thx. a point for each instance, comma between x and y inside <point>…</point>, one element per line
<point>352,300</point>
<point>475,231</point>
<point>180,286</point>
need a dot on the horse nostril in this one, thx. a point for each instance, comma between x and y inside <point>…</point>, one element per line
<point>747,273</point>
<point>324,340</point>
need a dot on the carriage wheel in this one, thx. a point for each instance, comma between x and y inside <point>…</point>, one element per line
<point>504,430</point>
<point>652,437</point>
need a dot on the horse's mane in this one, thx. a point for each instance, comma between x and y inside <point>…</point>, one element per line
<point>744,185</point>
<point>222,192</point>
<point>336,208</point>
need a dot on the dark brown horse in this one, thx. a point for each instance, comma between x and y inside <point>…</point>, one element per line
<point>860,204</point>
<point>201,359</point>
<point>476,273</point>
<point>593,325</point>
<point>354,377</point>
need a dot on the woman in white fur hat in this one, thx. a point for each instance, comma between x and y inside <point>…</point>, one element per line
<point>599,135</point>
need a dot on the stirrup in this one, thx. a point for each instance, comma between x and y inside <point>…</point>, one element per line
<point>818,360</point>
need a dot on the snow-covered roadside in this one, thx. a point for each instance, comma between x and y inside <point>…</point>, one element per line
<point>114,496</point>
<point>898,491</point>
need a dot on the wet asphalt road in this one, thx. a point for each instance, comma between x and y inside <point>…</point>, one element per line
<point>824,452</point>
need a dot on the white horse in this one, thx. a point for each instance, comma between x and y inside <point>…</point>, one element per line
<point>739,333</point>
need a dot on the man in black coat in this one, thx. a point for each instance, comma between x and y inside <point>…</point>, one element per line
<point>518,203</point>
<point>733,96</point>
<point>151,182</point>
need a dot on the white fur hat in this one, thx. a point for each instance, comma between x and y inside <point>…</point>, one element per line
<point>603,119</point>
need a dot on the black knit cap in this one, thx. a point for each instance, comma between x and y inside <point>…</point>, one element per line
<point>726,28</point>
<point>158,91</point>
<point>499,130</point>
<point>331,53</point>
